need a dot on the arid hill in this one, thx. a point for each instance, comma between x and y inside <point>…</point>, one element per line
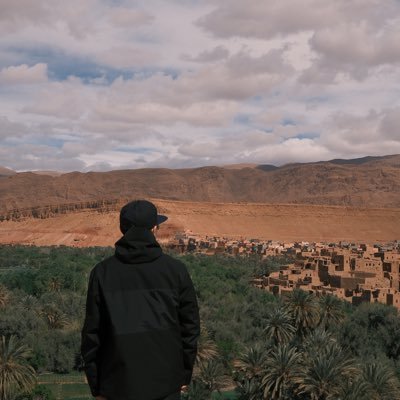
<point>355,200</point>
<point>366,182</point>
<point>6,172</point>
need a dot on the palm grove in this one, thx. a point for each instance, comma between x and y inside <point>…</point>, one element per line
<point>260,346</point>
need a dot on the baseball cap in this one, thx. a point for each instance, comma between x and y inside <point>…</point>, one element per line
<point>140,213</point>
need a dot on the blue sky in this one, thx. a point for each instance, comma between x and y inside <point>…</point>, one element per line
<point>99,85</point>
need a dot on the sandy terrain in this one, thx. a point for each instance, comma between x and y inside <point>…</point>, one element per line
<point>249,220</point>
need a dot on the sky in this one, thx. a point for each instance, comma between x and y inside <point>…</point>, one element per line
<point>96,85</point>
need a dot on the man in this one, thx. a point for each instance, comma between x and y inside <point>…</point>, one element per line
<point>139,339</point>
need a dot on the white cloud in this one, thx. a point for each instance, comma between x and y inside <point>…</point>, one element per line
<point>263,19</point>
<point>389,125</point>
<point>14,14</point>
<point>253,18</point>
<point>203,114</point>
<point>69,100</point>
<point>255,147</point>
<point>23,74</point>
<point>354,49</point>
<point>129,18</point>
<point>38,157</point>
<point>216,54</point>
<point>91,84</point>
<point>347,36</point>
<point>11,129</point>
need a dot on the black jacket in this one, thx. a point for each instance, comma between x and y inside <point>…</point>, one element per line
<point>139,339</point>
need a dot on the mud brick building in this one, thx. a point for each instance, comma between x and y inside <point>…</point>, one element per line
<point>353,273</point>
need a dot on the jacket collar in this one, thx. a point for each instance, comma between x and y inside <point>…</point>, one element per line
<point>138,245</point>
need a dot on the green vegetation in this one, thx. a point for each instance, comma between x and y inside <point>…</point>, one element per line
<point>16,375</point>
<point>59,386</point>
<point>253,345</point>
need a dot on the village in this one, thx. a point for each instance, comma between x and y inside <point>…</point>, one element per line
<point>355,272</point>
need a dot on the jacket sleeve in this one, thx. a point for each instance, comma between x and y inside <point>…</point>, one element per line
<point>90,343</point>
<point>190,325</point>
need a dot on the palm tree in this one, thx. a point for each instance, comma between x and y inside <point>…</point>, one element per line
<point>55,285</point>
<point>197,391</point>
<point>16,375</point>
<point>282,366</point>
<point>206,348</point>
<point>211,374</point>
<point>303,308</point>
<point>324,373</point>
<point>331,311</point>
<point>249,389</point>
<point>279,326</point>
<point>55,318</point>
<point>354,390</point>
<point>249,371</point>
<point>252,362</point>
<point>382,382</point>
<point>317,341</point>
<point>31,303</point>
<point>4,296</point>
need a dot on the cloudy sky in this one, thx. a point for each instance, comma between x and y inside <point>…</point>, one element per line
<point>109,84</point>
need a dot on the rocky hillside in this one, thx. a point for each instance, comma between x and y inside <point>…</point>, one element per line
<point>367,182</point>
<point>6,172</point>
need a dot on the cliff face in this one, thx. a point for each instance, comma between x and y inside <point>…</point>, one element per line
<point>102,206</point>
<point>369,182</point>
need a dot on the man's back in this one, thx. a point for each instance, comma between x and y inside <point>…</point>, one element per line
<point>142,325</point>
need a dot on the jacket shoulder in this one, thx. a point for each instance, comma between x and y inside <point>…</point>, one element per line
<point>173,262</point>
<point>102,265</point>
<point>178,268</point>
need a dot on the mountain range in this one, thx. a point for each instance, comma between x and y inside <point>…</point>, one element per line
<point>363,182</point>
<point>352,200</point>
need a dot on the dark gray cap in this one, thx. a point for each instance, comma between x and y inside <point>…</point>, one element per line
<point>139,213</point>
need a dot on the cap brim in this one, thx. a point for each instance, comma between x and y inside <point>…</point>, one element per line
<point>161,219</point>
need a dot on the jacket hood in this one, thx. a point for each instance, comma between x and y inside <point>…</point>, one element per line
<point>138,245</point>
